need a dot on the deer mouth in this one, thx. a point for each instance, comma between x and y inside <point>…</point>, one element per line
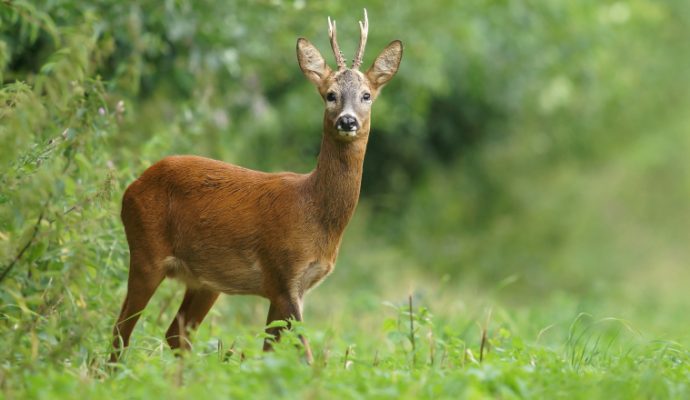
<point>347,134</point>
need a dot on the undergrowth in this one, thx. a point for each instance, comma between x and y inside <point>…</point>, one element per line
<point>408,355</point>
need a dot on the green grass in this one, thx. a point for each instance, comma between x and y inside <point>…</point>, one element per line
<point>363,349</point>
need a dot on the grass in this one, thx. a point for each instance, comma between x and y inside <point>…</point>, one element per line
<point>365,347</point>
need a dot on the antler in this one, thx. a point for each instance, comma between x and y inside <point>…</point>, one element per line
<point>363,31</point>
<point>339,59</point>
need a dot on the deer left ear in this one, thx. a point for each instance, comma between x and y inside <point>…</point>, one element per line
<point>311,62</point>
<point>386,64</point>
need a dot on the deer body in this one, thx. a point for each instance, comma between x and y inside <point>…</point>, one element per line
<point>238,231</point>
<point>221,228</point>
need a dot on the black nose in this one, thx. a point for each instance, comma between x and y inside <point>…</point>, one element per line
<point>347,123</point>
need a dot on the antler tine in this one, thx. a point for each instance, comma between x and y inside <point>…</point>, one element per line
<point>339,59</point>
<point>363,32</point>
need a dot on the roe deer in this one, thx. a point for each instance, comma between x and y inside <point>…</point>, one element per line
<point>220,228</point>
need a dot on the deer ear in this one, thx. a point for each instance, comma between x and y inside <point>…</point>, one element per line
<point>311,62</point>
<point>386,64</point>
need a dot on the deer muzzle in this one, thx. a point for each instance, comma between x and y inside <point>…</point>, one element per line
<point>347,125</point>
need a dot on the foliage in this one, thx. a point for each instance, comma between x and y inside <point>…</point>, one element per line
<point>530,158</point>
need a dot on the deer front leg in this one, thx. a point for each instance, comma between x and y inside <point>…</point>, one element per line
<point>285,309</point>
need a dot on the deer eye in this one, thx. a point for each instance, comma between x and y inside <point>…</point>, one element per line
<point>366,96</point>
<point>330,96</point>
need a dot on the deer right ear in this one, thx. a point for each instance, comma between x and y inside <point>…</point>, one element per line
<point>311,62</point>
<point>386,64</point>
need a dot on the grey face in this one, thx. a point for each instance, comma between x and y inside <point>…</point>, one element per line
<point>348,100</point>
<point>348,93</point>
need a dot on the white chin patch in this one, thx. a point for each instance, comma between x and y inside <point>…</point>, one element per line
<point>350,134</point>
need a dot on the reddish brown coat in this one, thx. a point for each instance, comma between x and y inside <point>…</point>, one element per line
<point>221,228</point>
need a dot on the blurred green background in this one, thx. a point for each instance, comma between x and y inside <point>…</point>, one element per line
<point>532,154</point>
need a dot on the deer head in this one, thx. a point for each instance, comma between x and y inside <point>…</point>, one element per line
<point>348,93</point>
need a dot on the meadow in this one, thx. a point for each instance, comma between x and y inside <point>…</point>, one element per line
<point>522,232</point>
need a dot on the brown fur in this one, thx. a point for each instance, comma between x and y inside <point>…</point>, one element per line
<point>222,228</point>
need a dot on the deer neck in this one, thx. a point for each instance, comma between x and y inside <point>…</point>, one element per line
<point>336,181</point>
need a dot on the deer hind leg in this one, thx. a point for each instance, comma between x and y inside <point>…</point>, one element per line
<point>143,281</point>
<point>195,305</point>
<point>285,309</point>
